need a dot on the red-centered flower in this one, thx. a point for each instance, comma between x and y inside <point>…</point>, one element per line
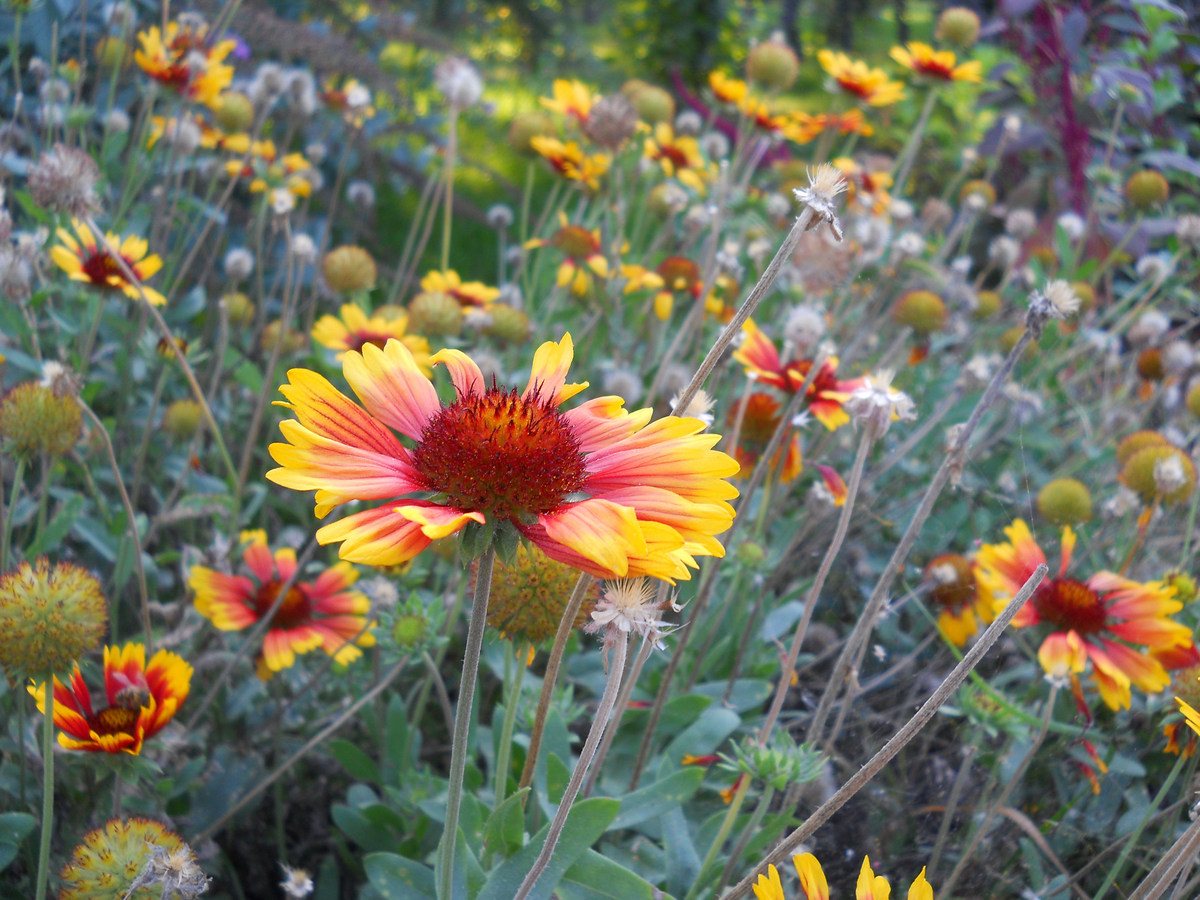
<point>83,259</point>
<point>584,259</point>
<point>1097,619</point>
<point>325,612</point>
<point>824,396</point>
<point>598,487</point>
<point>468,293</point>
<point>185,60</point>
<point>936,65</point>
<point>141,700</point>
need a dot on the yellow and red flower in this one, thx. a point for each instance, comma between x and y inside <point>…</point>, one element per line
<point>936,65</point>
<point>571,98</point>
<point>184,61</point>
<point>83,259</point>
<point>569,160</point>
<point>855,77</point>
<point>141,700</point>
<point>1097,619</point>
<point>355,328</point>
<point>679,156</point>
<point>803,127</point>
<point>812,881</point>
<point>600,488</point>
<point>325,612</point>
<point>963,602</point>
<point>584,258</point>
<point>726,89</point>
<point>760,417</point>
<point>825,395</point>
<point>468,293</point>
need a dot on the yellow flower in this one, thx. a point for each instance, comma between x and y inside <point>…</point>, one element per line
<point>937,65</point>
<point>679,156</point>
<point>84,260</point>
<point>584,258</point>
<point>469,293</point>
<point>812,881</point>
<point>726,89</point>
<point>571,162</point>
<point>183,61</point>
<point>571,98</point>
<point>355,329</point>
<point>857,78</point>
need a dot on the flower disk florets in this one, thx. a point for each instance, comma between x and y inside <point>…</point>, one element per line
<point>507,455</point>
<point>49,617</point>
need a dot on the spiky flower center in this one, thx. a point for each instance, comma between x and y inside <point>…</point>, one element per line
<point>502,454</point>
<point>575,241</point>
<point>292,611</point>
<point>1071,604</point>
<point>100,266</point>
<point>114,720</point>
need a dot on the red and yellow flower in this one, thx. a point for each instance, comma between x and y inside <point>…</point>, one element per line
<point>183,60</point>
<point>865,187</point>
<point>571,98</point>
<point>1097,619</point>
<point>600,488</point>
<point>824,396</point>
<point>855,77</point>
<point>760,418</point>
<point>83,259</point>
<point>803,127</point>
<point>584,258</point>
<point>726,89</point>
<point>679,156</point>
<point>812,881</point>
<point>962,601</point>
<point>569,160</point>
<point>141,699</point>
<point>352,329</point>
<point>325,612</point>
<point>468,293</point>
<point>936,65</point>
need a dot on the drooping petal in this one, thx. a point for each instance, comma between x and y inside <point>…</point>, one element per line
<point>464,374</point>
<point>548,374</point>
<point>377,537</point>
<point>439,521</point>
<point>601,532</point>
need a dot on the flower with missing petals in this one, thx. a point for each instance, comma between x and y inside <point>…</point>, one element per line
<point>296,883</point>
<point>823,187</point>
<point>876,402</point>
<point>632,605</point>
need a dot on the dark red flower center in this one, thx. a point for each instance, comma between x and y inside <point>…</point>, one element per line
<point>1071,604</point>
<point>502,454</point>
<point>293,611</point>
<point>855,87</point>
<point>100,266</point>
<point>676,156</point>
<point>934,69</point>
<point>114,720</point>
<point>360,339</point>
<point>759,421</point>
<point>575,241</point>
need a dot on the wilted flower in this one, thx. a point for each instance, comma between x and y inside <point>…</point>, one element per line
<point>132,859</point>
<point>877,403</point>
<point>64,181</point>
<point>458,81</point>
<point>631,605</point>
<point>297,883</point>
<point>1155,267</point>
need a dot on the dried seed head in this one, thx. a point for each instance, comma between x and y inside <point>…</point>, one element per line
<point>876,403</point>
<point>64,181</point>
<point>348,269</point>
<point>612,121</point>
<point>458,81</point>
<point>238,264</point>
<point>1020,223</point>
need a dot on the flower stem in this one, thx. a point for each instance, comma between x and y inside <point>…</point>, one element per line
<point>909,155</point>
<point>814,591</point>
<point>10,513</point>
<point>1002,800</point>
<point>448,214</point>
<point>512,701</point>
<point>1182,853</point>
<point>910,730</point>
<point>43,871</point>
<point>731,814</point>
<point>950,463</point>
<point>462,722</point>
<point>565,625</point>
<point>604,710</point>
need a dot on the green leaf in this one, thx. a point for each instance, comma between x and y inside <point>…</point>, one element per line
<point>248,376</point>
<point>656,800</point>
<point>704,735</point>
<point>355,761</point>
<point>557,776</point>
<point>505,827</point>
<point>14,828</point>
<point>397,878</point>
<point>58,526</point>
<point>588,820</point>
<point>396,761</point>
<point>596,877</point>
<point>683,861</point>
